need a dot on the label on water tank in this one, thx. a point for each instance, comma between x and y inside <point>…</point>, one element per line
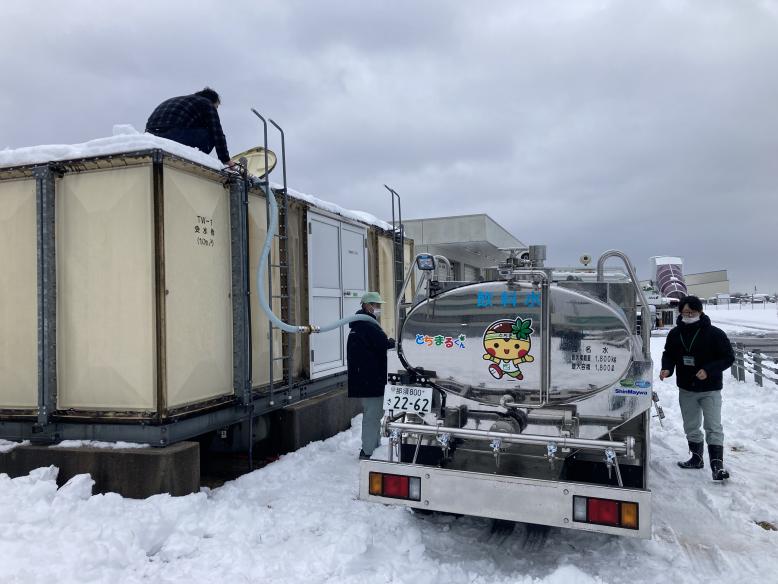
<point>204,232</point>
<point>598,358</point>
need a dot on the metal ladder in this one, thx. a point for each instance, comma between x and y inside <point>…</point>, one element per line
<point>398,243</point>
<point>284,268</point>
<point>285,296</point>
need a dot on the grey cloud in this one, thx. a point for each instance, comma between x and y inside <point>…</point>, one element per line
<point>644,126</point>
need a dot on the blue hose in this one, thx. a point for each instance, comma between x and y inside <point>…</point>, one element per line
<point>263,260</point>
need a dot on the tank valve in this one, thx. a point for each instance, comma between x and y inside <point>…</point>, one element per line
<point>444,440</point>
<point>496,445</point>
<point>551,449</point>
<point>610,460</point>
<point>394,441</point>
<point>660,413</point>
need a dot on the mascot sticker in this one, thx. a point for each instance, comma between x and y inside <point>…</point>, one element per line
<point>507,344</point>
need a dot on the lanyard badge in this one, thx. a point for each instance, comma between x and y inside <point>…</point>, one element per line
<point>689,359</point>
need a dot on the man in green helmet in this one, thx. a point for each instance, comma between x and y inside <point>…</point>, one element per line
<point>366,349</point>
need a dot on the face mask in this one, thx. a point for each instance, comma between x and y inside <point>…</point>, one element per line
<point>376,312</point>
<point>690,319</point>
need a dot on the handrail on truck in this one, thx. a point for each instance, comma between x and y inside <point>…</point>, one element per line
<point>645,331</point>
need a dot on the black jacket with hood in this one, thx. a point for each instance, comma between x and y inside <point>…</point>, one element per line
<point>366,348</point>
<point>711,350</point>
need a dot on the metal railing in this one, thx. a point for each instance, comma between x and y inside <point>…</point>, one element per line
<point>760,361</point>
<point>645,332</point>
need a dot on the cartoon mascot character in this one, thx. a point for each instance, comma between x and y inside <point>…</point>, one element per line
<point>507,344</point>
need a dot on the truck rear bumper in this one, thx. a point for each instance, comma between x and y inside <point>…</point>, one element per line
<point>504,497</point>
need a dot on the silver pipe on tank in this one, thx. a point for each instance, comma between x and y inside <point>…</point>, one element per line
<point>545,311</point>
<point>400,295</point>
<point>645,327</point>
<point>626,447</point>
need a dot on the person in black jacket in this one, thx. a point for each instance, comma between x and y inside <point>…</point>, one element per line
<point>699,353</point>
<point>191,120</point>
<point>366,349</point>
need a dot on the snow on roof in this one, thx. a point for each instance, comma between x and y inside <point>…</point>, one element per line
<point>360,216</point>
<point>664,260</point>
<point>127,139</point>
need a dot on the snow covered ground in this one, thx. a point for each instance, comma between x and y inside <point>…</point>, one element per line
<point>746,318</point>
<point>299,520</point>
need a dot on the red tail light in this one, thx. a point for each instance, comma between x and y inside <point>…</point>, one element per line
<point>603,511</point>
<point>606,512</point>
<point>395,486</point>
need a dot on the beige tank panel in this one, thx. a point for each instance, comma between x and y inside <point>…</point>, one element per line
<point>198,307</point>
<point>408,257</point>
<point>259,322</point>
<point>18,295</point>
<point>297,227</point>
<point>386,283</point>
<point>105,290</point>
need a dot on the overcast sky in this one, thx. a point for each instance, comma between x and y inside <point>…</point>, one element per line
<point>650,127</point>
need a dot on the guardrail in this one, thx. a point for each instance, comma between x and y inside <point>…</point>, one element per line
<point>758,356</point>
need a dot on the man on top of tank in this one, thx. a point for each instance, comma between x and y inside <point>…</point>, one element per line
<point>192,120</point>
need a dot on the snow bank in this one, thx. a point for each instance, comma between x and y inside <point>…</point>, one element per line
<point>97,444</point>
<point>127,139</point>
<point>7,446</point>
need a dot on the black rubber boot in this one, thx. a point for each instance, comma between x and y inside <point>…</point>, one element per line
<point>716,455</point>
<point>697,449</point>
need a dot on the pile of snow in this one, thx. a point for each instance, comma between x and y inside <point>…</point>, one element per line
<point>299,520</point>
<point>97,444</point>
<point>127,139</point>
<point>7,446</point>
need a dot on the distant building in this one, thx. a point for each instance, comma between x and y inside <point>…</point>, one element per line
<point>472,243</point>
<point>707,284</point>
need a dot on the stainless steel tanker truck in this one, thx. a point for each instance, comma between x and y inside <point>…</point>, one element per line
<point>526,398</point>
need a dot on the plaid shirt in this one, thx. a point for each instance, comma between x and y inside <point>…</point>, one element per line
<point>189,111</point>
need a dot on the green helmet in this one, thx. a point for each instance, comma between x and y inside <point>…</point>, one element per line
<point>372,298</point>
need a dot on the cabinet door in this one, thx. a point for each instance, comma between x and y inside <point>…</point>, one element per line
<point>337,276</point>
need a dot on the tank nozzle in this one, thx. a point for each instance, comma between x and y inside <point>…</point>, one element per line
<point>551,449</point>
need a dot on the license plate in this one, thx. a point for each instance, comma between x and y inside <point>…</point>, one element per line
<point>405,398</point>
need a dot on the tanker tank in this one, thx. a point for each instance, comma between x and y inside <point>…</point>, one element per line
<point>562,353</point>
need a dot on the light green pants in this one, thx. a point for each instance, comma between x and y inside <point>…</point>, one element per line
<point>372,412</point>
<point>697,406</point>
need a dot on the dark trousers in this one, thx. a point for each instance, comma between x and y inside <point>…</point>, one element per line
<point>199,138</point>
